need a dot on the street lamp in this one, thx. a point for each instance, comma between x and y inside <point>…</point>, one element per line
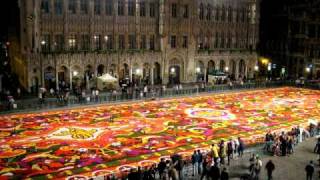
<point>227,69</point>
<point>308,69</point>
<point>172,70</point>
<point>198,69</point>
<point>256,68</point>
<point>43,42</point>
<point>75,73</point>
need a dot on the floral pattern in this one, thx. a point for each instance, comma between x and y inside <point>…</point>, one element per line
<point>105,139</point>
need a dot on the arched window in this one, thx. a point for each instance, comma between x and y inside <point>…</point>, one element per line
<point>230,14</point>
<point>209,12</point>
<point>217,13</point>
<point>222,66</point>
<point>201,12</point>
<point>223,14</point>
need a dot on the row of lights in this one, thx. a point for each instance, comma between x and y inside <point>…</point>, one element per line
<point>43,42</point>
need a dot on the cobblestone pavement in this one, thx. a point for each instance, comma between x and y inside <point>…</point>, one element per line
<point>287,168</point>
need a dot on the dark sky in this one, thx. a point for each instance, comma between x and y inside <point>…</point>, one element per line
<point>8,16</point>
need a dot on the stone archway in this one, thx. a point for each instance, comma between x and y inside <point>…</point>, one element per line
<point>113,70</point>
<point>200,71</point>
<point>233,69</point>
<point>157,73</point>
<point>100,70</point>
<point>124,72</point>
<point>49,77</point>
<point>63,77</point>
<point>222,65</point>
<point>175,71</point>
<point>146,73</point>
<point>77,77</point>
<point>242,68</point>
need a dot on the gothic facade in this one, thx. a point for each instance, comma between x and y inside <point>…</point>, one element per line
<point>160,41</point>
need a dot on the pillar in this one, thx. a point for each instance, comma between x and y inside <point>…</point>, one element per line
<point>205,74</point>
<point>57,79</point>
<point>152,75</point>
<point>130,73</point>
<point>70,71</point>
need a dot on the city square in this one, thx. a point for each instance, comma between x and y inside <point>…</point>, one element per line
<point>160,89</point>
<point>110,139</point>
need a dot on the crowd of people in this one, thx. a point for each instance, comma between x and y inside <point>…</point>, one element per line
<point>213,163</point>
<point>283,144</point>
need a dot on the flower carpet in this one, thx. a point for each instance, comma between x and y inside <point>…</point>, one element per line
<point>93,141</point>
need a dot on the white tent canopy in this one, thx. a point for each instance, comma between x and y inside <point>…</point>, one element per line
<point>107,81</point>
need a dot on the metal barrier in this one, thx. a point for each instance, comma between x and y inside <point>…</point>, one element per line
<point>53,103</point>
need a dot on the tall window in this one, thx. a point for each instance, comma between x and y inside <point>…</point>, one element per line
<point>142,8</point>
<point>201,11</point>
<point>216,42</point>
<point>58,6</point>
<point>45,6</point>
<point>222,40</point>
<point>152,42</point>
<point>72,42</point>
<point>223,14</point>
<point>230,14</point>
<point>152,9</point>
<point>217,14</point>
<point>132,41</point>
<point>120,7</point>
<point>84,6</point>
<point>59,42</point>
<point>185,42</point>
<point>97,7</point>
<point>131,8</point>
<point>201,42</point>
<point>45,43</point>
<point>97,42</point>
<point>72,6</point>
<point>243,16</point>
<point>109,7</point>
<point>85,42</point>
<point>186,11</point>
<point>143,42</point>
<point>121,42</point>
<point>209,11</point>
<point>173,41</point>
<point>229,40</point>
<point>174,10</point>
<point>109,41</point>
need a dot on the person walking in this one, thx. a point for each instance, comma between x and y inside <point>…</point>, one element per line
<point>310,170</point>
<point>270,168</point>
<point>200,159</point>
<point>215,154</point>
<point>230,150</point>
<point>257,168</point>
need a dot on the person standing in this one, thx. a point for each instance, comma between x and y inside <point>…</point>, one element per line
<point>310,170</point>
<point>215,172</point>
<point>161,167</point>
<point>194,160</point>
<point>222,151</point>
<point>270,168</point>
<point>200,159</point>
<point>241,147</point>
